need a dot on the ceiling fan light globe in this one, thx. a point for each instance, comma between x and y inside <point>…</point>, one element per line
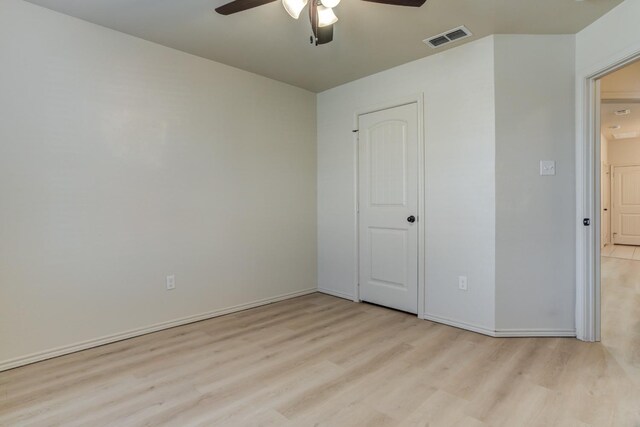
<point>294,7</point>
<point>330,3</point>
<point>326,16</point>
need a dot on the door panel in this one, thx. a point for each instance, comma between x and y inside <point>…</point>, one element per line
<point>388,189</point>
<point>389,253</point>
<point>388,163</point>
<point>626,205</point>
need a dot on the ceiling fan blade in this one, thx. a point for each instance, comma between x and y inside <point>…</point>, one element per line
<point>240,5</point>
<point>410,3</point>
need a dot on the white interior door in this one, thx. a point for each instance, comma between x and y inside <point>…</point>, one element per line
<point>626,205</point>
<point>605,206</point>
<point>388,207</point>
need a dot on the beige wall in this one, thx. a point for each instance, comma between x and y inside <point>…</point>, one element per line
<point>604,150</point>
<point>121,162</point>
<point>624,152</point>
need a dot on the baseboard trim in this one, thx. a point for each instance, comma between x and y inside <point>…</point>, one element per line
<point>461,325</point>
<point>506,333</point>
<point>336,294</point>
<point>68,349</point>
<point>502,333</point>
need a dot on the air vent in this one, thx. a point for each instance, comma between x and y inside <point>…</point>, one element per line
<point>625,135</point>
<point>457,34</point>
<point>448,37</point>
<point>439,41</point>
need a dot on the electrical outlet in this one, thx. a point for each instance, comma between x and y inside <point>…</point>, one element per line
<point>462,283</point>
<point>171,282</point>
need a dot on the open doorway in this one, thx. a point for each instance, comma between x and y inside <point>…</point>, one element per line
<point>619,231</point>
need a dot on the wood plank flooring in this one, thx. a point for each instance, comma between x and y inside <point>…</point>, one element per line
<point>322,361</point>
<point>622,251</point>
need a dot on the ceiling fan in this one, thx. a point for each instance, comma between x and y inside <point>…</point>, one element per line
<point>321,12</point>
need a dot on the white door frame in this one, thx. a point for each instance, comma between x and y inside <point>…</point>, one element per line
<point>412,99</point>
<point>588,192</point>
<point>610,234</point>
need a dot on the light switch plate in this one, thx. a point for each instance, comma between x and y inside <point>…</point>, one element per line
<point>171,282</point>
<point>547,167</point>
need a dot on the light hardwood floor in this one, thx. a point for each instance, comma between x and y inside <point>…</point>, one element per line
<point>622,251</point>
<point>319,360</point>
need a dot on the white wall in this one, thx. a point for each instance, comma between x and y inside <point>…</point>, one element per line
<point>493,109</point>
<point>535,233</point>
<point>458,89</point>
<point>611,39</point>
<point>122,161</point>
<point>127,162</point>
<point>624,152</point>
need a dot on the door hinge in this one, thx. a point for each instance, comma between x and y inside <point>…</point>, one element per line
<point>586,222</point>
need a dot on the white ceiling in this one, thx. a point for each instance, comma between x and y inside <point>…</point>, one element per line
<point>368,38</point>
<point>629,124</point>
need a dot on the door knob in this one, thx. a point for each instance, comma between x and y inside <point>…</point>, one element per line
<point>411,219</point>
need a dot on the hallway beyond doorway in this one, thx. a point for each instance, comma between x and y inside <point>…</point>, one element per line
<point>621,251</point>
